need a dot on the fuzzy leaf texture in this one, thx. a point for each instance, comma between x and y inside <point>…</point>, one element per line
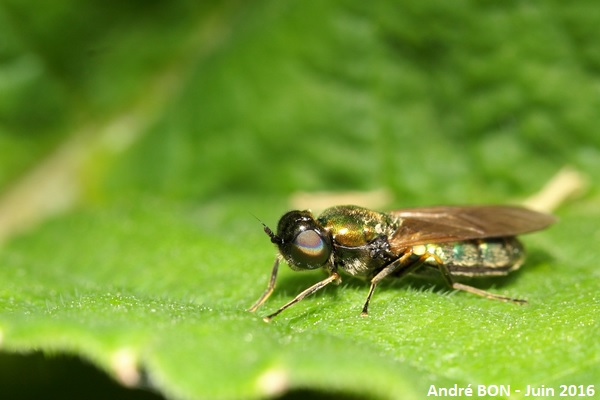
<point>138,140</point>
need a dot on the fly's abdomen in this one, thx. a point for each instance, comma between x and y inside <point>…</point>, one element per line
<point>485,257</point>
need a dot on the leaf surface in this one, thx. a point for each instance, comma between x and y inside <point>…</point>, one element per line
<point>138,141</point>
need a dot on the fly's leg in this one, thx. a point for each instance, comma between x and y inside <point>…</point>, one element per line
<point>404,265</point>
<point>270,286</point>
<point>334,277</point>
<point>401,266</point>
<point>466,288</point>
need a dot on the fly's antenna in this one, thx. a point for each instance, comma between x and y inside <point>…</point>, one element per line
<point>274,238</point>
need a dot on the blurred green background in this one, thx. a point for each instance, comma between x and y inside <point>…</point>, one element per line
<point>139,138</point>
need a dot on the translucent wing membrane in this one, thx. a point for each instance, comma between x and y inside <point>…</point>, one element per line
<point>449,224</point>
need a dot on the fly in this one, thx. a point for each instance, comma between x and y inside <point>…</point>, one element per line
<point>475,241</point>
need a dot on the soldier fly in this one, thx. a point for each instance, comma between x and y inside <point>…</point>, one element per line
<point>474,241</point>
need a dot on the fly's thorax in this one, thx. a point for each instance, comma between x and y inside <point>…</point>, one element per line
<point>484,257</point>
<point>353,226</point>
<point>360,238</point>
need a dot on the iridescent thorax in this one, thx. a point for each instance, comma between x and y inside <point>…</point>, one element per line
<point>356,226</point>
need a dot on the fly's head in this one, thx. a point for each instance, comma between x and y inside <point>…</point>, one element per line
<point>302,241</point>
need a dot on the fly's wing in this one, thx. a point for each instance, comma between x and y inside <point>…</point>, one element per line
<point>455,223</point>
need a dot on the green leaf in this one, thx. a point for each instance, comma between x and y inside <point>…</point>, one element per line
<point>138,141</point>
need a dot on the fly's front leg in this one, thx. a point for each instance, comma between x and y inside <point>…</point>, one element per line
<point>334,277</point>
<point>270,286</point>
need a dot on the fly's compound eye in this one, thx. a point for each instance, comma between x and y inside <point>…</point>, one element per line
<point>309,249</point>
<point>301,241</point>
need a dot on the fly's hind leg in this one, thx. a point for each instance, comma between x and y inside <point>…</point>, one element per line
<point>466,288</point>
<point>406,264</point>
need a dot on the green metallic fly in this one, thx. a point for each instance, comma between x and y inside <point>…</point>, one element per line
<point>475,241</point>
